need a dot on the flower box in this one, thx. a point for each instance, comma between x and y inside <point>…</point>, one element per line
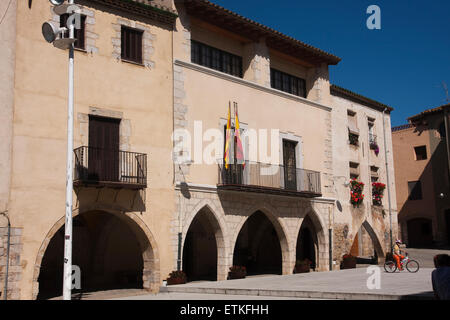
<point>237,272</point>
<point>377,193</point>
<point>348,261</point>
<point>353,139</point>
<point>356,195</point>
<point>302,266</point>
<point>176,277</point>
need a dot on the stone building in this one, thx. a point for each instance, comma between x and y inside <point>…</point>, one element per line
<point>122,137</point>
<point>150,76</point>
<point>230,211</point>
<point>421,150</point>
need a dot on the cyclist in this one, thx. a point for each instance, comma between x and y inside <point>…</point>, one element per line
<point>397,254</point>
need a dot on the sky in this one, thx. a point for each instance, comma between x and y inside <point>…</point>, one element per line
<point>403,64</point>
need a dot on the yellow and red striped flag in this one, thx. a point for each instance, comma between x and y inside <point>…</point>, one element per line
<point>239,149</point>
<point>228,139</point>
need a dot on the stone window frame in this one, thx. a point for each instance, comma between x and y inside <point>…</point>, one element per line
<point>124,127</point>
<point>148,39</point>
<point>90,36</point>
<point>298,149</point>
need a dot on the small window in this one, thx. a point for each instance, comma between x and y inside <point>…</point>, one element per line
<point>287,83</point>
<point>354,170</point>
<point>415,190</point>
<point>352,123</point>
<point>79,33</point>
<point>216,59</point>
<point>441,130</point>
<point>131,44</point>
<point>421,152</point>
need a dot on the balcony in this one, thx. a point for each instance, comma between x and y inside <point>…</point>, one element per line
<point>270,179</point>
<point>110,168</point>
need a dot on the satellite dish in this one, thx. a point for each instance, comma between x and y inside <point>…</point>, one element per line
<point>64,43</point>
<point>50,30</point>
<point>338,205</point>
<point>56,2</point>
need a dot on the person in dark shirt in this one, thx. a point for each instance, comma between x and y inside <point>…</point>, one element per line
<point>440,277</point>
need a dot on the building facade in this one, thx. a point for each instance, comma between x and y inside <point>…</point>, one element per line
<point>422,178</point>
<point>122,137</point>
<point>153,84</point>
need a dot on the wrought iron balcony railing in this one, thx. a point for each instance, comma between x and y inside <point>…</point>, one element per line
<point>372,139</point>
<point>115,168</point>
<point>268,178</point>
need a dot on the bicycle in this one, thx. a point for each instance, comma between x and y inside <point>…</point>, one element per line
<point>410,265</point>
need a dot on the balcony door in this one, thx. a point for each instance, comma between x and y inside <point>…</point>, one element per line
<point>234,173</point>
<point>103,148</point>
<point>289,163</point>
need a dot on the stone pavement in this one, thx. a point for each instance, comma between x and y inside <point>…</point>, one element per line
<point>342,284</point>
<point>202,296</point>
<point>425,256</point>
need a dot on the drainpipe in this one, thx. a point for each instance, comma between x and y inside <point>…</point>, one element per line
<point>5,291</point>
<point>330,240</point>
<point>387,180</point>
<point>447,136</point>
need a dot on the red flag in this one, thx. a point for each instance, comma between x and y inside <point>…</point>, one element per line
<point>228,139</point>
<point>239,149</point>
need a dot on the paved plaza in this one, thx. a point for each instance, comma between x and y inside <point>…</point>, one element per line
<point>342,284</point>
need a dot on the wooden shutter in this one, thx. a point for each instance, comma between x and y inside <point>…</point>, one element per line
<point>103,148</point>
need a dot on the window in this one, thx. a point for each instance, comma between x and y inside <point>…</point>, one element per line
<point>216,59</point>
<point>351,121</point>
<point>373,173</point>
<point>289,164</point>
<point>415,190</point>
<point>131,44</point>
<point>421,152</point>
<point>441,130</point>
<point>287,83</point>
<point>79,33</point>
<point>354,170</point>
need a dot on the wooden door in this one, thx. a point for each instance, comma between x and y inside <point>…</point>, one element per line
<point>289,162</point>
<point>103,148</point>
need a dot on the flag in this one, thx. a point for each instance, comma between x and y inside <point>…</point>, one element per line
<point>228,139</point>
<point>239,149</point>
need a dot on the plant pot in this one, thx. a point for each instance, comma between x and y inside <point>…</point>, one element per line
<point>172,281</point>
<point>236,275</point>
<point>302,268</point>
<point>349,263</point>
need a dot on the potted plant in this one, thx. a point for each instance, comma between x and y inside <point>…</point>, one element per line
<point>176,277</point>
<point>353,139</point>
<point>356,195</point>
<point>377,192</point>
<point>374,147</point>
<point>237,272</point>
<point>302,266</point>
<point>348,261</point>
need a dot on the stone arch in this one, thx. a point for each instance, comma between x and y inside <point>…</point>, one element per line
<point>150,254</point>
<point>377,244</point>
<point>217,225</point>
<point>315,222</point>
<point>271,214</point>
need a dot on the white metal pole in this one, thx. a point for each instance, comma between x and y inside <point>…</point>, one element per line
<point>387,180</point>
<point>67,280</point>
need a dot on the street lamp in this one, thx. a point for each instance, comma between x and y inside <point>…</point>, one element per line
<point>55,34</point>
<point>387,180</point>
